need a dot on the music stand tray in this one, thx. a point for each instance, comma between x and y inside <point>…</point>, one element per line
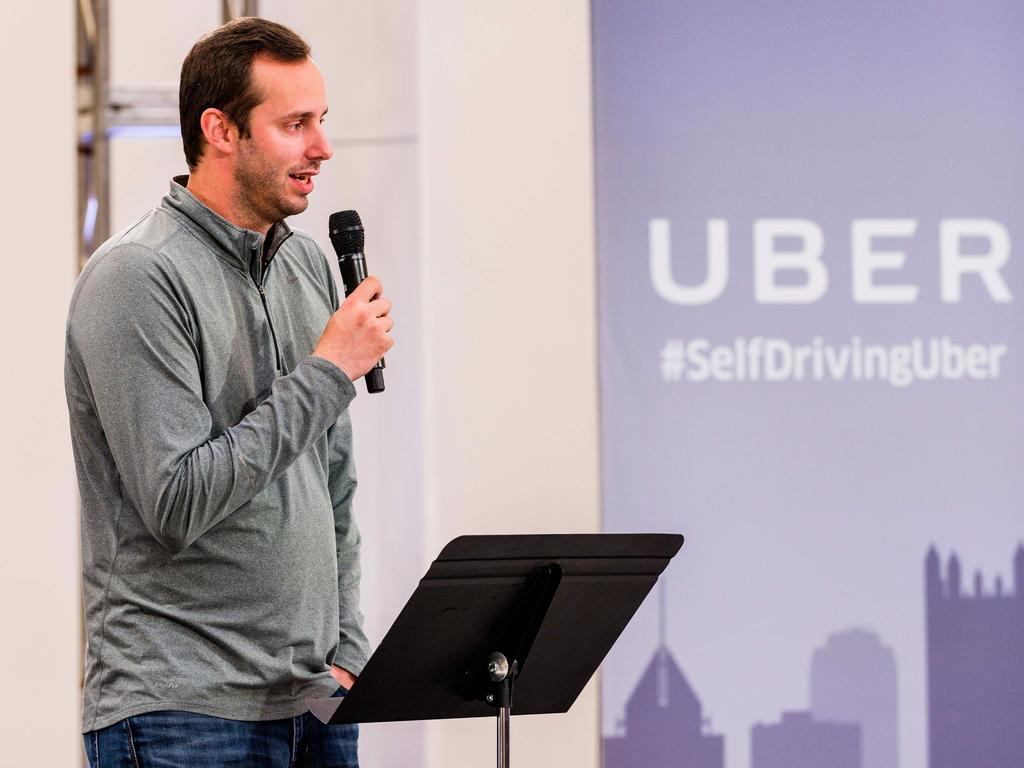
<point>528,617</point>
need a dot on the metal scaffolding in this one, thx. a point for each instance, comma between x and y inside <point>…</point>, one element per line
<point>104,109</point>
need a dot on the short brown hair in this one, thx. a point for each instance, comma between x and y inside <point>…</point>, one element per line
<point>217,73</point>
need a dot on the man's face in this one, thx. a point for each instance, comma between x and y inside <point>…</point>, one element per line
<point>275,165</point>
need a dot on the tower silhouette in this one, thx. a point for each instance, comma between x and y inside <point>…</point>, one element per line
<point>975,668</point>
<point>664,724</point>
<point>853,680</point>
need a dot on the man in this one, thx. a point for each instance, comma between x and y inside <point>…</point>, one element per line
<point>208,374</point>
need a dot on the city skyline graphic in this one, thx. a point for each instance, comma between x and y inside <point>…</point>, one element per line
<point>975,699</point>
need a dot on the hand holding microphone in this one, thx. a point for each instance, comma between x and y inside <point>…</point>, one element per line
<point>357,335</point>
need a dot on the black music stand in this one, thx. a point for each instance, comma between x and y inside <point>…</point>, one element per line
<point>489,604</point>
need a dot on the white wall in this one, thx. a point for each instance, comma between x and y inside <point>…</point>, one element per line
<point>510,377</point>
<point>39,592</point>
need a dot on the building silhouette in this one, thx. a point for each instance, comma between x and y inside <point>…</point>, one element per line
<point>853,680</point>
<point>975,668</point>
<point>800,741</point>
<point>664,725</point>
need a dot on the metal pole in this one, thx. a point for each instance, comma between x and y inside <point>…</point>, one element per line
<point>93,73</point>
<point>230,9</point>
<point>100,140</point>
<point>504,721</point>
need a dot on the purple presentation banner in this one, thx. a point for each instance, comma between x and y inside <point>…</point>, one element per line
<point>812,365</point>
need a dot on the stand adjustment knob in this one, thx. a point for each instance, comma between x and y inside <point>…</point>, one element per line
<point>497,667</point>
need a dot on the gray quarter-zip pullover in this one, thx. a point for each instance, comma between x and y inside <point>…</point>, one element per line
<point>220,558</point>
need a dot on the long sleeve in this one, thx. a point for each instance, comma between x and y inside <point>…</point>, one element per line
<point>133,345</point>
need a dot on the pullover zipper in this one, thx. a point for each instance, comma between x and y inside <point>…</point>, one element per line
<point>273,335</point>
<point>261,276</point>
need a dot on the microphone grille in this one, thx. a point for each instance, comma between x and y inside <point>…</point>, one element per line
<point>346,232</point>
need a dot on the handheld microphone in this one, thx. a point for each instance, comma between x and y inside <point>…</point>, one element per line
<point>347,237</point>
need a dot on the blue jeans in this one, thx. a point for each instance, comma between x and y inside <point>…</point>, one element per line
<point>175,739</point>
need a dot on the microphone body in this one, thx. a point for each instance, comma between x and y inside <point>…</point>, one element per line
<point>347,237</point>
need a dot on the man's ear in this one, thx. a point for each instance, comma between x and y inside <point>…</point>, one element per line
<point>220,133</point>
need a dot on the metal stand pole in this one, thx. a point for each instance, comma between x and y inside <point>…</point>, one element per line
<point>516,639</point>
<point>504,721</point>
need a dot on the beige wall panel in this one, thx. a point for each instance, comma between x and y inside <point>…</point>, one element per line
<point>149,40</point>
<point>510,336</point>
<point>39,581</point>
<point>508,240</point>
<point>538,741</point>
<point>141,168</point>
<point>367,51</point>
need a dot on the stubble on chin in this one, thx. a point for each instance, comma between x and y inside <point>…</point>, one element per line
<point>261,193</point>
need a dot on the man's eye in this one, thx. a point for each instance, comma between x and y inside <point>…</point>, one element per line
<point>294,126</point>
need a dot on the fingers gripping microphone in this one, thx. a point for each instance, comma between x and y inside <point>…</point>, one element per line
<point>347,237</point>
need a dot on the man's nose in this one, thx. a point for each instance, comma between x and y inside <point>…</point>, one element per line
<point>321,148</point>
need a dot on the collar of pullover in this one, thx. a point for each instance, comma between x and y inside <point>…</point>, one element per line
<point>242,248</point>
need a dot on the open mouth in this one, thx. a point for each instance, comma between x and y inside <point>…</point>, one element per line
<point>303,181</point>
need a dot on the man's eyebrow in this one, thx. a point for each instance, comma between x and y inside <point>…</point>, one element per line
<point>303,115</point>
